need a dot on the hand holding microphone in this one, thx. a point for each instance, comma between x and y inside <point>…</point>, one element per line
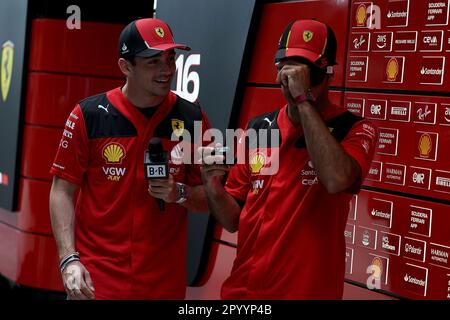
<point>156,171</point>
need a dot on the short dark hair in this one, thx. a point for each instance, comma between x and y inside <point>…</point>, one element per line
<point>131,59</point>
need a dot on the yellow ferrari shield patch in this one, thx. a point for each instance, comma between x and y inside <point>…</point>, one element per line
<point>177,127</point>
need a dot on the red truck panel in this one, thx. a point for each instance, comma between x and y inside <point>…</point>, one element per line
<point>47,107</point>
<point>276,16</point>
<point>91,50</point>
<point>27,258</point>
<point>39,149</point>
<point>222,269</point>
<point>34,214</point>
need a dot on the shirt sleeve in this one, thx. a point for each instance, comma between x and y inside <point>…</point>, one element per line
<point>360,144</point>
<point>71,160</point>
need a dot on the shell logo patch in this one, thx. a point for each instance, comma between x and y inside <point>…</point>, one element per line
<point>257,163</point>
<point>113,153</point>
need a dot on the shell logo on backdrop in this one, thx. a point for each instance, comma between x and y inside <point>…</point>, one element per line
<point>392,69</point>
<point>361,15</point>
<point>425,145</point>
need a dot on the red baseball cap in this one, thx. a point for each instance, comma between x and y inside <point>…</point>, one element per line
<point>146,38</point>
<point>309,39</point>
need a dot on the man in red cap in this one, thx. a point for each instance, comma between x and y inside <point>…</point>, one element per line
<point>118,242</point>
<point>291,223</point>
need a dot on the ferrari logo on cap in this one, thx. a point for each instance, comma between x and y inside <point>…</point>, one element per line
<point>307,35</point>
<point>6,68</point>
<point>177,127</point>
<point>159,31</point>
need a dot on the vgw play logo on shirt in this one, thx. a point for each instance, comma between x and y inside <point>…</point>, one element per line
<point>113,153</point>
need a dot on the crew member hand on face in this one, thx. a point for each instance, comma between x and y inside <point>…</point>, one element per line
<point>294,80</point>
<point>77,282</point>
<point>165,189</point>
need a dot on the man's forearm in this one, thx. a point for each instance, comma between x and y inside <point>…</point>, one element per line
<point>195,200</point>
<point>223,207</point>
<point>62,220</point>
<point>326,153</point>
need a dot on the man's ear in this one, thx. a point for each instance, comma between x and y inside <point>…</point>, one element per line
<point>125,66</point>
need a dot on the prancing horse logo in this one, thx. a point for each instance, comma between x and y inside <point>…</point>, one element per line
<point>6,68</point>
<point>159,31</point>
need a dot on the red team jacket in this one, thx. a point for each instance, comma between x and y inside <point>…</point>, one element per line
<point>291,241</point>
<point>131,249</point>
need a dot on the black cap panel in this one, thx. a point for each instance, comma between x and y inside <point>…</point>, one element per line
<point>130,41</point>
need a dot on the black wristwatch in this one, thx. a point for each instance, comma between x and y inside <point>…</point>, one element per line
<point>182,194</point>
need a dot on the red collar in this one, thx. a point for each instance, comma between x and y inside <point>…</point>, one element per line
<point>131,112</point>
<point>290,133</point>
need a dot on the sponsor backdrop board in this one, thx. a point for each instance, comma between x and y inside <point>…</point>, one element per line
<point>398,234</point>
<point>13,15</point>
<point>399,44</point>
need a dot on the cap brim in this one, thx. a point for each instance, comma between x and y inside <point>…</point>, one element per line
<point>296,52</point>
<point>158,49</point>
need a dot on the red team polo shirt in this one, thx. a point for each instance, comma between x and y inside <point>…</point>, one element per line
<point>291,241</point>
<point>131,249</point>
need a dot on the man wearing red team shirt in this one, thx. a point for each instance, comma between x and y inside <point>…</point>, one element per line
<point>117,243</point>
<point>291,224</point>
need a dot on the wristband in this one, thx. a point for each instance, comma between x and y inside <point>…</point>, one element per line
<point>75,256</point>
<point>305,96</point>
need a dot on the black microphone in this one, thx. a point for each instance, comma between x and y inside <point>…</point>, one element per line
<point>156,164</point>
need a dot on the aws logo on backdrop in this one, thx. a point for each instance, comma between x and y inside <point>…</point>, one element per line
<point>6,68</point>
